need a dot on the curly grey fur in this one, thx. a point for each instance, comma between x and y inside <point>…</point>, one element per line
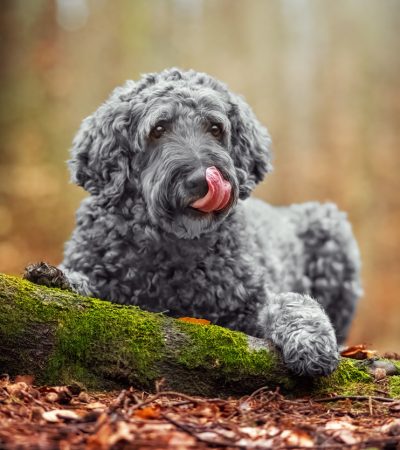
<point>289,274</point>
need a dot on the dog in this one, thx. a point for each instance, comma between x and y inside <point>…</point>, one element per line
<point>169,163</point>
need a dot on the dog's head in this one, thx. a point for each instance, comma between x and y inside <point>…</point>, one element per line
<point>179,140</point>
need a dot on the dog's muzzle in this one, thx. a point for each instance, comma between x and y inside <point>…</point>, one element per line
<point>218,195</point>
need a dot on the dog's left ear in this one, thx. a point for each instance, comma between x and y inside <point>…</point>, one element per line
<point>251,146</point>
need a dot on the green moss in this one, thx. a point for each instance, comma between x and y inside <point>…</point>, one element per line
<point>83,337</point>
<point>211,346</point>
<point>394,386</point>
<point>397,364</point>
<point>84,329</point>
<point>215,349</point>
<point>349,379</point>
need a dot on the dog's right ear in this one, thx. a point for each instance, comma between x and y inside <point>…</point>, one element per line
<point>103,148</point>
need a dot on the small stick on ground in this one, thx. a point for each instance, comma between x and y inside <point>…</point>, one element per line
<point>353,397</point>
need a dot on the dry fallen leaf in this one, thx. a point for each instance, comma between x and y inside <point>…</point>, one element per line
<point>194,320</point>
<point>253,432</point>
<point>51,397</point>
<point>342,430</point>
<point>259,443</point>
<point>298,438</point>
<point>17,389</point>
<point>339,425</point>
<point>56,415</point>
<point>391,428</point>
<point>37,412</point>
<point>100,440</point>
<point>181,440</point>
<point>148,413</point>
<point>358,352</point>
<point>28,379</point>
<point>379,374</point>
<point>95,405</point>
<point>84,397</point>
<point>391,355</point>
<point>122,433</point>
<point>346,436</point>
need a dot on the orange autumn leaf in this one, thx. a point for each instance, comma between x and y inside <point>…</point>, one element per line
<point>194,320</point>
<point>28,379</point>
<point>358,352</point>
<point>148,413</point>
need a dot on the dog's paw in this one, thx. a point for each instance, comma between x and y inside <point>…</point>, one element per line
<point>302,331</point>
<point>311,354</point>
<point>46,275</point>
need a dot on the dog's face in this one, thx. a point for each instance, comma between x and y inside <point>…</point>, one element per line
<point>180,141</point>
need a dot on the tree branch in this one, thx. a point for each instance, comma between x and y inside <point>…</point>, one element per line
<point>60,337</point>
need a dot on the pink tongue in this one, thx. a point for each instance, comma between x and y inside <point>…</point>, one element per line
<point>218,195</point>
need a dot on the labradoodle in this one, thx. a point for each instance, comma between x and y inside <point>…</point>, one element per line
<point>170,162</point>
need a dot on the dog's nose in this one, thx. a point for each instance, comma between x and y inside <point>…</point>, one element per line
<point>196,183</point>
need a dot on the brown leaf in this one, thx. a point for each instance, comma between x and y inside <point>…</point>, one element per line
<point>391,355</point>
<point>84,397</point>
<point>37,412</point>
<point>379,374</point>
<point>346,436</point>
<point>180,440</point>
<point>150,412</point>
<point>206,410</point>
<point>56,415</point>
<point>339,425</point>
<point>51,397</point>
<point>122,433</point>
<point>342,430</point>
<point>194,320</point>
<point>358,352</point>
<point>297,438</point>
<point>391,428</point>
<point>28,379</point>
<point>99,440</point>
<point>17,389</point>
<point>96,405</point>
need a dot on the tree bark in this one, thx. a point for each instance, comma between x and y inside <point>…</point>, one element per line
<point>60,337</point>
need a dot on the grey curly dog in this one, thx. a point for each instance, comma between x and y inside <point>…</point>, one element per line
<point>169,163</point>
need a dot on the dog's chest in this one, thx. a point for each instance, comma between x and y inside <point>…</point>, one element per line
<point>209,281</point>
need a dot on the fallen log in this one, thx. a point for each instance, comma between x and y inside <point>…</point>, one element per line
<point>60,337</point>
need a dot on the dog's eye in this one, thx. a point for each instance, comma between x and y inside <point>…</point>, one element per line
<point>157,131</point>
<point>216,130</point>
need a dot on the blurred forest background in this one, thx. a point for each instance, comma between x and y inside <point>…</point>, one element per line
<point>322,75</point>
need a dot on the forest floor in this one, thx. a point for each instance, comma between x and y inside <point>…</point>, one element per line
<point>69,418</point>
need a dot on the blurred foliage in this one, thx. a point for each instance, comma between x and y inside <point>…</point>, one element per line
<point>324,77</point>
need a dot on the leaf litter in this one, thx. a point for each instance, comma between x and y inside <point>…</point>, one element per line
<point>69,418</point>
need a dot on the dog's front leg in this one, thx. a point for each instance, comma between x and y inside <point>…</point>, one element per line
<point>301,330</point>
<point>52,276</point>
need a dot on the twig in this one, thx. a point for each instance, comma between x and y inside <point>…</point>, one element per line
<point>117,403</point>
<point>353,397</point>
<point>187,398</point>
<point>379,391</point>
<point>257,391</point>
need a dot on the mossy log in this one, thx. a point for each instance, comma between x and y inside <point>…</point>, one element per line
<point>60,337</point>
